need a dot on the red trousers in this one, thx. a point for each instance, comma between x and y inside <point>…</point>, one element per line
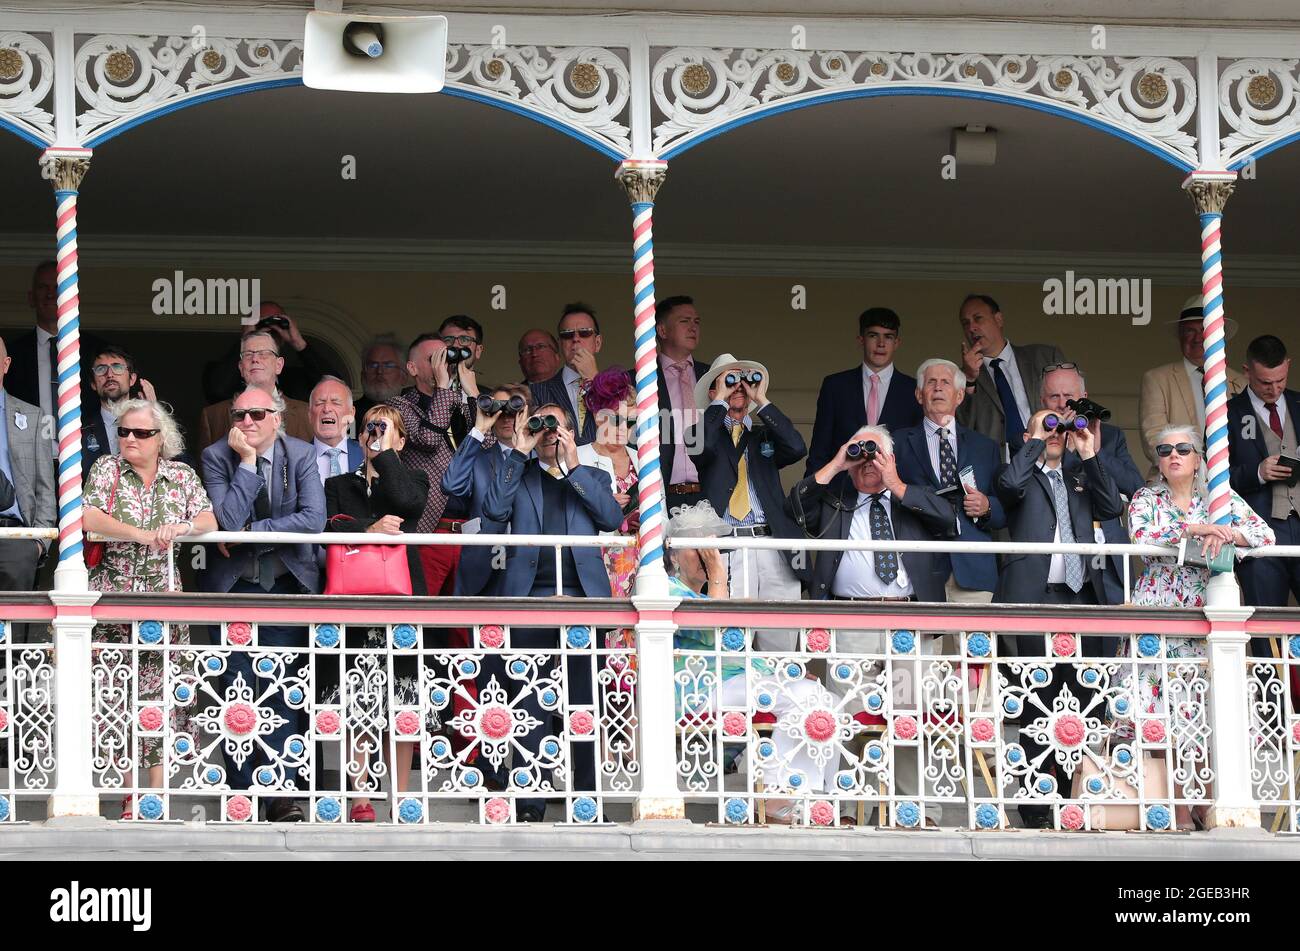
<point>439,565</point>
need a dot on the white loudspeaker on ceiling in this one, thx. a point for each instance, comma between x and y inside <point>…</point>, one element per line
<point>362,53</point>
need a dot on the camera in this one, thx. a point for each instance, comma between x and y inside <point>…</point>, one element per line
<point>538,423</point>
<point>458,355</point>
<point>490,407</point>
<point>865,448</point>
<point>752,377</point>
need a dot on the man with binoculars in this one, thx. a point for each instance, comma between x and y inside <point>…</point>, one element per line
<point>745,442</point>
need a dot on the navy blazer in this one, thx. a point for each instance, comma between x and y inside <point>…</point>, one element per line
<point>297,505</point>
<point>842,411</point>
<point>826,511</point>
<point>912,455</point>
<point>771,444</point>
<point>94,437</point>
<point>472,470</point>
<point>589,509</point>
<point>1245,455</point>
<point>20,381</point>
<point>668,424</point>
<point>1118,462</point>
<point>554,391</point>
<point>1027,498</point>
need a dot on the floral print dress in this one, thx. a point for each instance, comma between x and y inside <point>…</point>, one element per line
<point>176,495</point>
<point>1154,519</point>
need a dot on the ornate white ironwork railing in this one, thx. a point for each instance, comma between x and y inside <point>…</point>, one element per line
<point>1273,697</point>
<point>27,752</point>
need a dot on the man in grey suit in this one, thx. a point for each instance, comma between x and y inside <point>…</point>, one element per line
<point>261,480</point>
<point>1002,379</point>
<point>30,503</point>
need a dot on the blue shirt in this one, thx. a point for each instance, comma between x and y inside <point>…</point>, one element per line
<point>5,467</point>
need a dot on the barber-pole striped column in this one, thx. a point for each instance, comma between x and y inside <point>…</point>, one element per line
<point>66,168</point>
<point>1209,191</point>
<point>641,181</point>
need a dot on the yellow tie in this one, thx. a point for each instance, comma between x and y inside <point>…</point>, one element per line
<point>582,406</point>
<point>738,507</point>
<point>555,472</point>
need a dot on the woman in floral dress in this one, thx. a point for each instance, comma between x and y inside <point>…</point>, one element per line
<point>1175,507</point>
<point>147,499</point>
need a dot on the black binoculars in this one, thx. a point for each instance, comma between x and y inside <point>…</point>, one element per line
<point>752,377</point>
<point>865,448</point>
<point>458,354</point>
<point>1085,411</point>
<point>490,407</point>
<point>273,321</point>
<point>538,423</point>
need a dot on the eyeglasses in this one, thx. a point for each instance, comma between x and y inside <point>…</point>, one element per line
<point>1053,367</point>
<point>373,365</point>
<point>533,348</point>
<point>583,332</point>
<point>376,426</point>
<point>1183,449</point>
<point>258,414</point>
<point>124,431</point>
<point>99,369</point>
<point>258,354</point>
<point>459,340</point>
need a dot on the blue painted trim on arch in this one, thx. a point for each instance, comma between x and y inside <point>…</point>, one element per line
<point>957,93</point>
<point>22,133</point>
<point>297,81</point>
<point>1238,165</point>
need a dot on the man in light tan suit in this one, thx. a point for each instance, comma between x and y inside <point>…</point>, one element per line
<point>260,364</point>
<point>1169,396</point>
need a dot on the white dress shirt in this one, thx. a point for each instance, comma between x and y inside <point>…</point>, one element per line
<point>1056,569</point>
<point>1012,373</point>
<point>323,459</point>
<point>1196,379</point>
<point>1262,411</point>
<point>882,388</point>
<point>856,576</point>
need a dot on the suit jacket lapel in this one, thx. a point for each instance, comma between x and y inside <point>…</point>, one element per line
<point>1028,372</point>
<point>533,476</point>
<point>919,441</point>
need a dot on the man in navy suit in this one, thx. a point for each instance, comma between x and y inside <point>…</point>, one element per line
<point>677,331</point>
<point>873,394</point>
<point>550,495</point>
<point>1060,385</point>
<point>472,470</point>
<point>1262,427</point>
<point>264,481</point>
<point>580,341</point>
<point>333,417</point>
<point>935,454</point>
<point>745,442</point>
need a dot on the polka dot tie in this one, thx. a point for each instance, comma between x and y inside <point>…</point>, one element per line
<point>947,464</point>
<point>886,561</point>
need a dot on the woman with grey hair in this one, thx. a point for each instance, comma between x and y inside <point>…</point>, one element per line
<point>145,498</point>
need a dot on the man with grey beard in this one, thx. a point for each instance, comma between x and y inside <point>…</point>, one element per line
<point>383,373</point>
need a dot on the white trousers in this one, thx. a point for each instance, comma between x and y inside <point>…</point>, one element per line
<point>766,578</point>
<point>793,700</point>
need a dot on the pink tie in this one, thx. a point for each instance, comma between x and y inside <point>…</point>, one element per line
<point>683,467</point>
<point>873,399</point>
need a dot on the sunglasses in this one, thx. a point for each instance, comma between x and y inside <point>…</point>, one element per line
<point>583,332</point>
<point>617,420</point>
<point>100,369</point>
<point>1053,367</point>
<point>124,431</point>
<point>538,423</point>
<point>1183,449</point>
<point>376,426</point>
<point>258,414</point>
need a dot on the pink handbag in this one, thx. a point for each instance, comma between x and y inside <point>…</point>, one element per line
<point>366,569</point>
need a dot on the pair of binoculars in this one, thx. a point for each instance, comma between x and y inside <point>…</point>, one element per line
<point>458,354</point>
<point>865,448</point>
<point>752,377</point>
<point>1085,411</point>
<point>538,423</point>
<point>490,407</point>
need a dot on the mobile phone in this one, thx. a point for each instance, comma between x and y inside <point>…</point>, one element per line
<point>1293,464</point>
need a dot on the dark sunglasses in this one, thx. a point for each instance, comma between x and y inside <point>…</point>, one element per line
<point>99,369</point>
<point>538,423</point>
<point>124,431</point>
<point>617,420</point>
<point>1183,449</point>
<point>258,414</point>
<point>376,426</point>
<point>583,332</point>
